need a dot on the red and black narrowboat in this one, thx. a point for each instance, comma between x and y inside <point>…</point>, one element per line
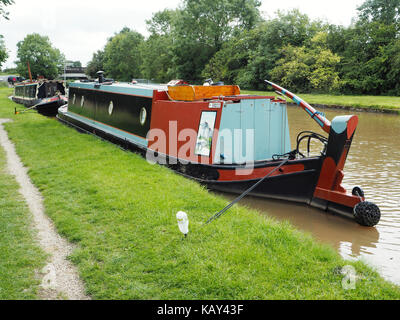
<point>45,96</point>
<point>224,139</point>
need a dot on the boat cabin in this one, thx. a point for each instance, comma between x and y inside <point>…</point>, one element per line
<point>204,124</point>
<point>32,91</point>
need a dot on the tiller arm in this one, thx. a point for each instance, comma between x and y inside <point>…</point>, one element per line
<point>324,123</point>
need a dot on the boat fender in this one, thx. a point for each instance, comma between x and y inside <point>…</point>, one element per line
<point>357,191</point>
<point>367,214</point>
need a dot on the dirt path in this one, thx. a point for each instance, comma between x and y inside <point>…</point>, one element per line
<point>60,277</point>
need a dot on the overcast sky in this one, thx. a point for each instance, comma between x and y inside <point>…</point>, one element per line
<point>80,27</point>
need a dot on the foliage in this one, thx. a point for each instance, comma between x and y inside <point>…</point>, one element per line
<point>122,55</point>
<point>229,63</point>
<point>74,64</point>
<point>311,68</point>
<point>287,28</point>
<point>96,64</point>
<point>10,71</point>
<point>43,58</point>
<point>3,51</point>
<point>156,59</point>
<point>383,11</point>
<point>200,27</point>
<point>3,4</point>
<point>230,41</point>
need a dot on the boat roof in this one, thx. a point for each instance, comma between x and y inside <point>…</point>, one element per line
<point>175,93</point>
<point>35,82</point>
<point>121,87</point>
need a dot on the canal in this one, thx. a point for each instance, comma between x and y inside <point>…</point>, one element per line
<point>374,165</point>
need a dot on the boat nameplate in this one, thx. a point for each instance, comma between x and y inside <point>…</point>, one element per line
<point>215,105</point>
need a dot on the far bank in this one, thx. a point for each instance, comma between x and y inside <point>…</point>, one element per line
<point>379,104</point>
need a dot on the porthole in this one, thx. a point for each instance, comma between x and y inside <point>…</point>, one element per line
<point>74,99</point>
<point>110,108</point>
<point>143,116</point>
<point>82,101</point>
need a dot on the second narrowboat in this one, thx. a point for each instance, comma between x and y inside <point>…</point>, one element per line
<point>43,95</point>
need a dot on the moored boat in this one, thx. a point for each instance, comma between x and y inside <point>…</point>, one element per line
<point>45,96</point>
<point>224,139</point>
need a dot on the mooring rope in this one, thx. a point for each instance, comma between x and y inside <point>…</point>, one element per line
<point>219,214</point>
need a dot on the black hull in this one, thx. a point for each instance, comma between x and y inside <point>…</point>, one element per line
<point>295,187</point>
<point>49,109</point>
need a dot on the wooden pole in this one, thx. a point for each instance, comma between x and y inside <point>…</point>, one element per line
<point>29,70</point>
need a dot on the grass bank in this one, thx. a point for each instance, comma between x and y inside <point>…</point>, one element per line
<point>20,256</point>
<point>120,211</point>
<point>368,103</point>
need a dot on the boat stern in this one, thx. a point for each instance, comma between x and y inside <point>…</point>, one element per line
<point>329,193</point>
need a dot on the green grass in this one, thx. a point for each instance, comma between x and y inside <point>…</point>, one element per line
<point>120,211</point>
<point>20,257</point>
<point>383,103</point>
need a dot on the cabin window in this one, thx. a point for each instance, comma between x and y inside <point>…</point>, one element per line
<point>205,133</point>
<point>110,108</point>
<point>143,116</point>
<point>82,101</point>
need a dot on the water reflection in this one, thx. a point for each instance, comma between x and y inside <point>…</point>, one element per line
<point>374,165</point>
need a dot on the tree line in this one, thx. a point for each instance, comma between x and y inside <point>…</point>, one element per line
<point>230,41</point>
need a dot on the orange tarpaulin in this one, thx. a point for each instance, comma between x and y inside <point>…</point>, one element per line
<point>192,93</point>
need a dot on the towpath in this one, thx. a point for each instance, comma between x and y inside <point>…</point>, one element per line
<point>60,279</point>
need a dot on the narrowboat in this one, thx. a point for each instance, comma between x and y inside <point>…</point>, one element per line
<point>45,96</point>
<point>225,140</point>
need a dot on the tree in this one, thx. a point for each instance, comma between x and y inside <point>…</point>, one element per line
<point>229,64</point>
<point>157,50</point>
<point>287,28</point>
<point>122,55</point>
<point>200,27</point>
<point>392,54</point>
<point>311,68</point>
<point>3,51</point>
<point>364,66</point>
<point>3,4</point>
<point>156,59</point>
<point>4,14</point>
<point>44,59</point>
<point>96,64</point>
<point>161,22</point>
<point>382,11</point>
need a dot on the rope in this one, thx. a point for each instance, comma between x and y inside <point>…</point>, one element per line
<point>219,214</point>
<point>25,110</point>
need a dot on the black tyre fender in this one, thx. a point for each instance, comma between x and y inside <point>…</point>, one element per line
<point>367,214</point>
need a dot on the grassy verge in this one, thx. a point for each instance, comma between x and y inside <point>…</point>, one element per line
<point>20,257</point>
<point>120,210</point>
<point>375,103</point>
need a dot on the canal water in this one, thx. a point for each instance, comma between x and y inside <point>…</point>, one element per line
<point>374,165</point>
